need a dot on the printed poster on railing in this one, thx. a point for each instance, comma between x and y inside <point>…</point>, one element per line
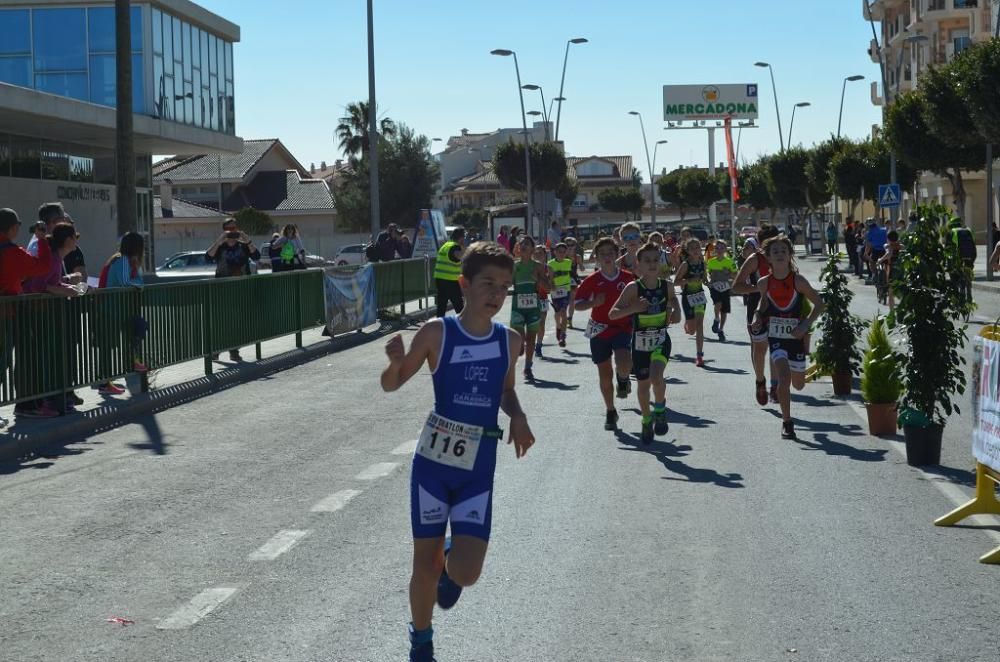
<point>350,299</point>
<point>986,402</point>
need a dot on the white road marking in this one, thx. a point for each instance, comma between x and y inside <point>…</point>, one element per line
<point>335,501</point>
<point>951,492</point>
<point>200,606</point>
<point>377,470</point>
<point>405,448</point>
<point>280,543</point>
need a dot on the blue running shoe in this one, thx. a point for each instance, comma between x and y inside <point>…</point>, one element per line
<point>448,591</point>
<point>538,349</point>
<point>423,653</point>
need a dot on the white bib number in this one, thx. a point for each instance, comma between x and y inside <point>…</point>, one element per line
<point>781,327</point>
<point>527,301</point>
<point>594,329</point>
<point>560,293</point>
<point>449,442</point>
<point>646,340</point>
<point>721,286</point>
<point>696,299</point>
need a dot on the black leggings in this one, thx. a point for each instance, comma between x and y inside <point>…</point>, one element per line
<point>448,291</point>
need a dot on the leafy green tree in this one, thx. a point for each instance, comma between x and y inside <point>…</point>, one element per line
<point>636,178</point>
<point>622,200</point>
<point>408,177</point>
<point>979,67</point>
<point>847,174</point>
<point>352,131</point>
<point>668,188</point>
<point>254,221</point>
<point>548,165</point>
<point>471,219</point>
<point>788,183</point>
<point>947,116</point>
<point>567,191</point>
<point>698,188</point>
<point>818,167</point>
<point>914,144</point>
<point>753,186</point>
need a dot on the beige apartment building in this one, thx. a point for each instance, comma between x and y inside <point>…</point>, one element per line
<point>950,27</point>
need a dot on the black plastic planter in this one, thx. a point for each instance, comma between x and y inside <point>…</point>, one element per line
<point>923,445</point>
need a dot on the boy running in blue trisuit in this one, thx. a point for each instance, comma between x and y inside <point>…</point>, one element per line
<point>472,362</point>
<point>652,303</point>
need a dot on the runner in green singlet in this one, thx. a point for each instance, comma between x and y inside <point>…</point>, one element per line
<point>652,302</point>
<point>690,278</point>
<point>561,268</point>
<point>721,269</point>
<point>525,314</point>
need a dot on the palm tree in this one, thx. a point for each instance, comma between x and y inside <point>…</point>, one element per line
<point>353,130</point>
<point>636,178</point>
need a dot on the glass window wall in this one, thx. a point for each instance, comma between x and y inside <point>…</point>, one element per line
<point>32,158</point>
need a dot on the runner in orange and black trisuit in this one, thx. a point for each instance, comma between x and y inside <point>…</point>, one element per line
<point>755,266</point>
<point>779,316</point>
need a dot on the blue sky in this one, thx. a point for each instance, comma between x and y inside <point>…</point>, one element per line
<point>300,63</point>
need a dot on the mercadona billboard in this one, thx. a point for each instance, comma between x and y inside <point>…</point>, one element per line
<point>709,102</point>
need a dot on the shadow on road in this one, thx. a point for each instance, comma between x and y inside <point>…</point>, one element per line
<point>154,436</point>
<point>579,355</point>
<point>723,371</point>
<point>957,476</point>
<point>674,416</point>
<point>555,359</point>
<point>673,381</point>
<point>811,401</point>
<point>812,426</point>
<point>546,384</point>
<point>667,455</point>
<point>824,443</point>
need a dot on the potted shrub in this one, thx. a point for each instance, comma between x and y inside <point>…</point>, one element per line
<point>879,380</point>
<point>836,353</point>
<point>930,303</point>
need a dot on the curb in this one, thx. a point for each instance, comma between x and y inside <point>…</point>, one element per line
<point>102,419</point>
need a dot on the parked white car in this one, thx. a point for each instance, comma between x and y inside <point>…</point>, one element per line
<point>190,263</point>
<point>350,254</point>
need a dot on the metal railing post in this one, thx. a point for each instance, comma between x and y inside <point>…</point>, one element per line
<point>402,287</point>
<point>298,312</point>
<point>206,329</point>
<point>427,284</point>
<point>62,338</point>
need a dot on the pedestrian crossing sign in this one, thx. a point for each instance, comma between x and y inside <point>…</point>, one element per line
<point>888,195</point>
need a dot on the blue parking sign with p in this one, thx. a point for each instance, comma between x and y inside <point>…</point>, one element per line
<point>889,196</point>
<point>751,90</point>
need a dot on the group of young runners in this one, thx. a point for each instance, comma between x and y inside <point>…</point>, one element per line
<point>632,301</point>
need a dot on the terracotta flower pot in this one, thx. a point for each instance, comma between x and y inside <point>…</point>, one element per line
<point>881,418</point>
<point>842,382</point>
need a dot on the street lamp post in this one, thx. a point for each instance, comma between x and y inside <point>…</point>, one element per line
<point>543,113</point>
<point>649,164</point>
<point>372,130</point>
<point>503,52</point>
<point>843,89</point>
<point>577,40</point>
<point>801,104</point>
<point>912,39</point>
<point>776,109</point>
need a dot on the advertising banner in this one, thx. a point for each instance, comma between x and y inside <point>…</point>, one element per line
<point>350,299</point>
<point>429,234</point>
<point>709,102</point>
<point>986,401</point>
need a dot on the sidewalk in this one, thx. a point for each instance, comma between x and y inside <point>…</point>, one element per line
<point>178,384</point>
<point>980,282</point>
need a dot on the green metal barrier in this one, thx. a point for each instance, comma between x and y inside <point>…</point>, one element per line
<point>50,345</point>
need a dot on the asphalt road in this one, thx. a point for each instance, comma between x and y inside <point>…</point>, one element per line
<point>270,522</point>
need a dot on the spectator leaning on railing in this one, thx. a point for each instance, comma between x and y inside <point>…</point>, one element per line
<point>288,249</point>
<point>62,242</point>
<point>124,269</point>
<point>16,264</point>
<point>232,253</point>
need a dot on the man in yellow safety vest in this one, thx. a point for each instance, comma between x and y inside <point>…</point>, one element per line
<point>447,269</point>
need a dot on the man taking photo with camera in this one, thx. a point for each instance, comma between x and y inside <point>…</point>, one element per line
<point>232,253</point>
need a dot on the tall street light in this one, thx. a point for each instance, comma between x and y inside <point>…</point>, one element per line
<point>801,104</point>
<point>843,89</point>
<point>372,130</point>
<point>776,109</point>
<point>912,39</point>
<point>545,117</point>
<point>577,40</point>
<point>503,52</point>
<point>552,101</point>
<point>649,164</point>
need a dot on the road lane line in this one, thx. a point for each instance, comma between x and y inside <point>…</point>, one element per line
<point>280,543</point>
<point>335,501</point>
<point>951,492</point>
<point>377,470</point>
<point>405,448</point>
<point>200,606</point>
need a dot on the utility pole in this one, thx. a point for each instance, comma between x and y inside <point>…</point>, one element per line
<point>124,142</point>
<point>372,130</point>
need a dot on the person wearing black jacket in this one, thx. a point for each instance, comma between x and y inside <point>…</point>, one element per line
<point>232,253</point>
